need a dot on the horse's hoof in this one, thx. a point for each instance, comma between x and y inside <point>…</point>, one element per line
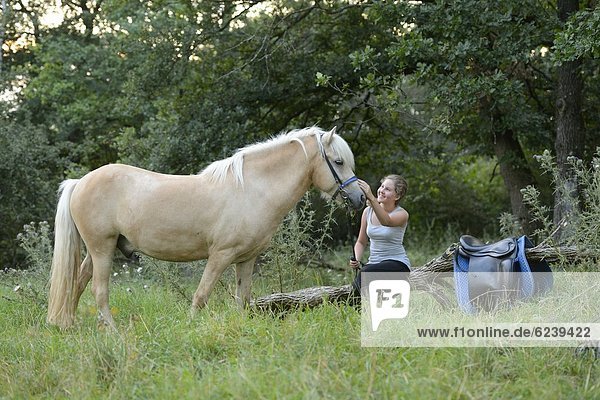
<point>105,324</point>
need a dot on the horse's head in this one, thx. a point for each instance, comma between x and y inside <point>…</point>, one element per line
<point>334,175</point>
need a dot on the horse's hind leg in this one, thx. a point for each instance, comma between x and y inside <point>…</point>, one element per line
<point>102,262</point>
<point>243,272</point>
<point>85,274</point>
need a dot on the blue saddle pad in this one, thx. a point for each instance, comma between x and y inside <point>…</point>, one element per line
<point>534,279</point>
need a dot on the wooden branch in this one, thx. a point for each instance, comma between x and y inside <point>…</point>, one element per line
<point>424,278</point>
<point>303,298</point>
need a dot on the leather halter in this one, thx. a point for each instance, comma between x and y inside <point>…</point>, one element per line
<point>341,184</point>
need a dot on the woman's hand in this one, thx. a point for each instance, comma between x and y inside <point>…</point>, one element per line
<point>354,264</point>
<point>364,186</point>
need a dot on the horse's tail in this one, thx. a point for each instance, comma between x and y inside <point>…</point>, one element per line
<point>65,261</point>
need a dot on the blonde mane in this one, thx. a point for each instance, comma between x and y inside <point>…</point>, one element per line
<point>218,170</point>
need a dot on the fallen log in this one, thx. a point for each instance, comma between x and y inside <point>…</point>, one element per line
<point>303,298</point>
<point>424,278</point>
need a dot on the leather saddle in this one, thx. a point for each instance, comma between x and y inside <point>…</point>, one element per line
<point>489,276</point>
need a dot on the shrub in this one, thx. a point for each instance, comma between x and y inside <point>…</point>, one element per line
<point>298,241</point>
<point>30,285</point>
<point>581,226</point>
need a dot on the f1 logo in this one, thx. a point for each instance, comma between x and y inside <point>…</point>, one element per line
<point>388,299</point>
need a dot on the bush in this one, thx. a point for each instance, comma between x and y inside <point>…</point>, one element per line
<point>296,243</point>
<point>29,285</point>
<point>30,174</point>
<point>581,226</point>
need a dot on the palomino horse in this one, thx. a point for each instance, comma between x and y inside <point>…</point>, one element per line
<point>227,213</point>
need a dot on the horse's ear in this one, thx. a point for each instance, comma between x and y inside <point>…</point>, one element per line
<point>327,137</point>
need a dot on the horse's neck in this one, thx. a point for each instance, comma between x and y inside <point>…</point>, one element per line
<point>284,175</point>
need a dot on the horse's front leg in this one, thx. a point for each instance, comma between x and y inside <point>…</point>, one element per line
<point>215,266</point>
<point>243,274</point>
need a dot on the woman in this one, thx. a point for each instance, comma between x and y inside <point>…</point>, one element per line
<point>383,224</point>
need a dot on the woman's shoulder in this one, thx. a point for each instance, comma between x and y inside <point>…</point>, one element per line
<point>400,209</point>
<point>400,215</point>
<point>366,212</point>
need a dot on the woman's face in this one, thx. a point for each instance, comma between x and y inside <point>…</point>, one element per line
<point>387,192</point>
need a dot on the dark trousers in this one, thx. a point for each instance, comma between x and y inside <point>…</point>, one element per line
<point>384,266</point>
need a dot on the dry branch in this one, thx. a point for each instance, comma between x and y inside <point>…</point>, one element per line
<point>303,298</point>
<point>422,278</point>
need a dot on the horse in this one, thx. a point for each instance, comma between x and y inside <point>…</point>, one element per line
<point>226,214</point>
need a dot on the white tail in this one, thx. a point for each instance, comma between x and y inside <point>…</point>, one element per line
<point>65,261</point>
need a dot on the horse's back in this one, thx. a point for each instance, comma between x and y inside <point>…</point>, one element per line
<point>119,176</point>
<point>111,186</point>
<point>150,209</point>
<point>120,182</point>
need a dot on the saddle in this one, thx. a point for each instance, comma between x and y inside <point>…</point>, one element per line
<point>489,276</point>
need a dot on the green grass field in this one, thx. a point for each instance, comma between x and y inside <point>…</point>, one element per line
<point>160,352</point>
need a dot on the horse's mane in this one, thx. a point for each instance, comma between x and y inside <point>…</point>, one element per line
<point>218,170</point>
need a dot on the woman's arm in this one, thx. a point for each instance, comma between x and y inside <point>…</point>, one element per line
<point>395,218</point>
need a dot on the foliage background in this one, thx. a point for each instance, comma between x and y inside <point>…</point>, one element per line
<point>428,90</point>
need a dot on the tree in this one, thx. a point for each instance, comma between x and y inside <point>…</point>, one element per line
<point>488,78</point>
<point>30,169</point>
<point>242,83</point>
<point>570,131</point>
<point>483,72</point>
<point>3,21</point>
<point>431,89</point>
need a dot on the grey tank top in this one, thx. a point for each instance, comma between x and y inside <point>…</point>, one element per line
<point>386,241</point>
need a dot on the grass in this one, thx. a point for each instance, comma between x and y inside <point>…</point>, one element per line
<point>160,352</point>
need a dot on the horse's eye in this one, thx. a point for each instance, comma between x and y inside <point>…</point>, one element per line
<point>339,162</point>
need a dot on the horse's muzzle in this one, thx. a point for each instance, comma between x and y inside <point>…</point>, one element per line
<point>355,200</point>
<point>360,203</point>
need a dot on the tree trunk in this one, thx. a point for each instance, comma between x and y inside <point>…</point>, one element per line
<point>3,23</point>
<point>570,134</point>
<point>514,168</point>
<point>515,172</point>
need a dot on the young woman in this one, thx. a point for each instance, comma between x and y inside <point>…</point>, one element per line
<point>382,227</point>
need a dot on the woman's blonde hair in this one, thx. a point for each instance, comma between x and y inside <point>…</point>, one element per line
<point>400,185</point>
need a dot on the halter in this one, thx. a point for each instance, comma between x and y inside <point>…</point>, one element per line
<point>341,184</point>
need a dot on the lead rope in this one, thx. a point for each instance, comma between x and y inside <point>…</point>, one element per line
<point>352,242</point>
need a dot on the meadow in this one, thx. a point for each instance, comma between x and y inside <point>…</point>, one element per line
<point>161,352</point>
